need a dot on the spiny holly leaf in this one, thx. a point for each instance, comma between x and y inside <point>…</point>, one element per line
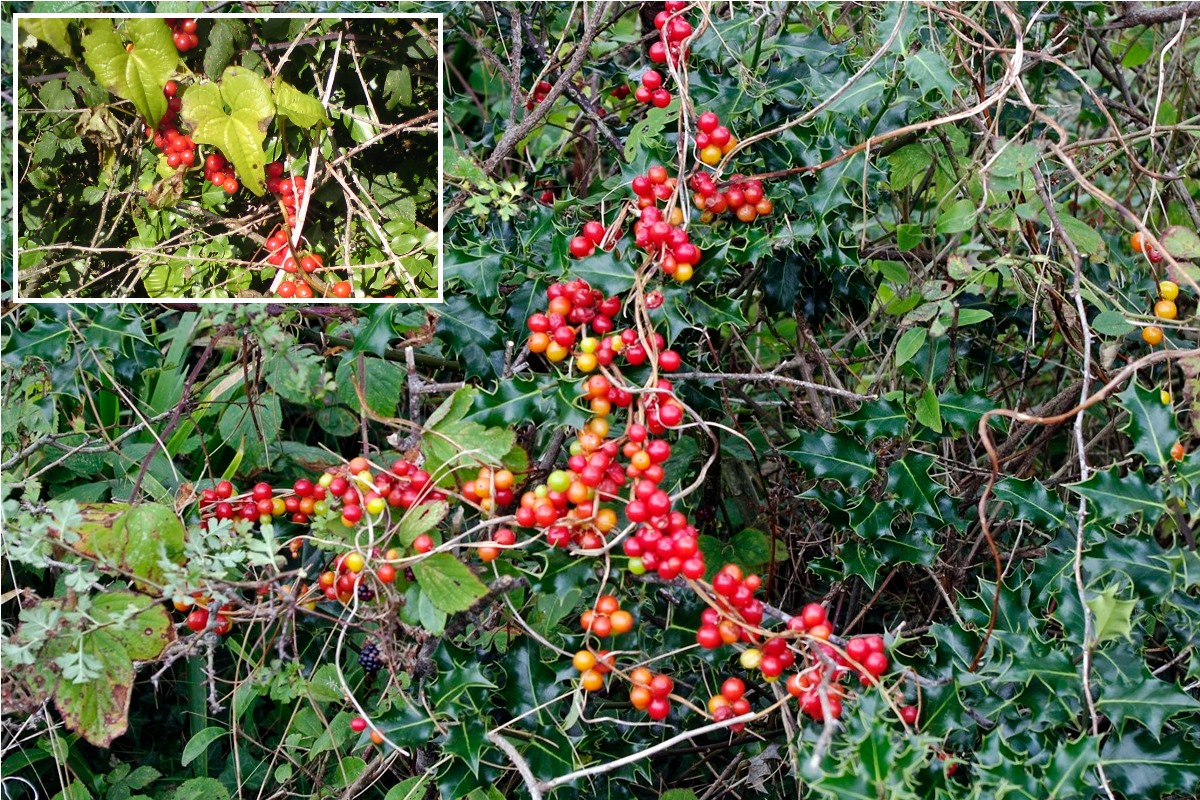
<point>1140,765</point>
<point>1151,425</point>
<point>136,75</point>
<point>1114,617</point>
<point>911,483</point>
<point>603,270</point>
<point>1127,690</point>
<point>879,418</point>
<point>233,116</point>
<point>829,455</point>
<point>1116,497</point>
<point>301,109</point>
<point>1031,502</point>
<point>449,583</point>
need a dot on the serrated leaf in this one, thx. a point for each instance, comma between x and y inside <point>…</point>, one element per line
<point>828,455</point>
<point>233,116</point>
<point>301,109</point>
<point>464,741</point>
<point>1114,616</point>
<point>450,584</point>
<point>910,482</point>
<point>421,519</point>
<point>1115,497</point>
<point>930,71</point>
<point>604,271</point>
<point>1127,690</point>
<point>878,418</point>
<point>1151,425</point>
<point>98,710</point>
<point>1140,765</point>
<point>382,384</point>
<point>1032,502</point>
<point>136,75</point>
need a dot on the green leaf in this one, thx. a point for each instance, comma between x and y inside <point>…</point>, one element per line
<point>301,109</point>
<point>878,418</point>
<point>408,789</point>
<point>959,216</point>
<point>145,634</point>
<point>198,744</point>
<point>963,410</point>
<point>827,455</point>
<point>201,789</point>
<point>1140,765</point>
<point>233,116</point>
<point>1151,425</point>
<point>907,165</point>
<point>604,271</point>
<point>224,38</point>
<point>382,384</point>
<point>930,71</point>
<point>464,741</point>
<point>449,583</point>
<point>909,480</point>
<point>1112,323</point>
<point>421,519</point>
<point>1032,502</point>
<point>646,134</point>
<point>1087,241</point>
<point>910,343</point>
<point>138,75</point>
<point>678,794</point>
<point>927,411</point>
<point>1127,690</point>
<point>98,709</point>
<point>52,31</point>
<point>1181,242</point>
<point>1113,615</point>
<point>1115,497</point>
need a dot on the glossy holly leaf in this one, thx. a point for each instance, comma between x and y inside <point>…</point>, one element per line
<point>605,271</point>
<point>1031,501</point>
<point>136,75</point>
<point>465,741</point>
<point>930,71</point>
<point>1113,615</point>
<point>1126,690</point>
<point>1115,497</point>
<point>471,333</point>
<point>478,269</point>
<point>877,418</point>
<point>910,482</point>
<point>299,108</point>
<point>1140,765</point>
<point>829,455</point>
<point>1068,766</point>
<point>449,583</point>
<point>233,117</point>
<point>1151,425</point>
<point>52,31</point>
<point>962,410</point>
<point>407,726</point>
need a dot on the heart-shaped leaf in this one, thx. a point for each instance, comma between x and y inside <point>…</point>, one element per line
<point>233,116</point>
<point>136,73</point>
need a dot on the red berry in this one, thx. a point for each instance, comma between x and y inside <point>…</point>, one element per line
<point>708,122</point>
<point>580,247</point>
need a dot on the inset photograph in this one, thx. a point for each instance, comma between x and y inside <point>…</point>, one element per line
<point>228,157</point>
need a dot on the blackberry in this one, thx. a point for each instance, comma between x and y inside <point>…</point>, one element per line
<point>365,593</point>
<point>369,658</point>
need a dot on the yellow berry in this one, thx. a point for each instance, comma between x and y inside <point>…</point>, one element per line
<point>683,273</point>
<point>586,362</point>
<point>556,352</point>
<point>354,562</point>
<point>1168,290</point>
<point>1165,309</point>
<point>711,155</point>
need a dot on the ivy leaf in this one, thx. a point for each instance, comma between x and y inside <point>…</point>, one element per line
<point>828,455</point>
<point>1116,497</point>
<point>137,75</point>
<point>301,109</point>
<point>233,116</point>
<point>449,583</point>
<point>1151,425</point>
<point>1114,617</point>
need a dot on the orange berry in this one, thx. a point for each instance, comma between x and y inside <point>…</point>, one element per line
<point>591,680</point>
<point>584,660</point>
<point>1152,335</point>
<point>622,621</point>
<point>607,604</point>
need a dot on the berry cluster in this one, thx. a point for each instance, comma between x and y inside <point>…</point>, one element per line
<point>592,667</point>
<point>183,33</point>
<point>664,239</point>
<point>735,602</point>
<point>572,305</point>
<point>219,172</point>
<point>586,243</point>
<point>179,149</point>
<point>673,31</point>
<point>538,95</point>
<point>197,609</point>
<point>288,190</point>
<point>370,659</point>
<point>744,198</point>
<point>651,692</point>
<point>1165,308</point>
<point>490,489</point>
<point>651,91</point>
<point>729,703</point>
<point>607,618</point>
<point>713,140</point>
